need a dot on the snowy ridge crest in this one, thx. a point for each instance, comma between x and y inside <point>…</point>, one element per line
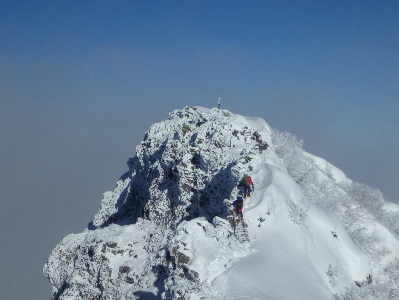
<point>181,170</point>
<point>168,229</point>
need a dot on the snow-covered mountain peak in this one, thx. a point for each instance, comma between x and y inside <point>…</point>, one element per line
<point>186,167</point>
<point>168,230</point>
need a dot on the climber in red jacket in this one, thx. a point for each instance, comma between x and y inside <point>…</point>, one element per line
<point>247,183</point>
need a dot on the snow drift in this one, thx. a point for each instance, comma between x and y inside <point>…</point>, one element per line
<point>165,232</point>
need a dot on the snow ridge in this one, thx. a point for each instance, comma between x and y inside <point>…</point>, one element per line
<point>165,232</point>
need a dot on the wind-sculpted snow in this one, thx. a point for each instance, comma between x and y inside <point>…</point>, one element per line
<point>165,232</point>
<point>372,222</point>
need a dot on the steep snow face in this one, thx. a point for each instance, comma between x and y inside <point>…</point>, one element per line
<point>327,170</point>
<point>294,243</point>
<point>168,232</point>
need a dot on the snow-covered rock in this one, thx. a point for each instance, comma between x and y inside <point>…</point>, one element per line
<point>166,231</point>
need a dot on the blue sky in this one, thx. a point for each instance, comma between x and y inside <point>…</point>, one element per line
<point>81,82</point>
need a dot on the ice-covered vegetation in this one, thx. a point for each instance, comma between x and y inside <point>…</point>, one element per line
<point>166,231</point>
<point>372,223</point>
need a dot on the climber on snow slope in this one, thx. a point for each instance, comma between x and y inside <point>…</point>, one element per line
<point>239,203</point>
<point>247,184</point>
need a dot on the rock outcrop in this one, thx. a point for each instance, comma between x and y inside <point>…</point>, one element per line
<point>166,231</point>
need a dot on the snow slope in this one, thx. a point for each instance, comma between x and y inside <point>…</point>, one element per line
<point>165,232</point>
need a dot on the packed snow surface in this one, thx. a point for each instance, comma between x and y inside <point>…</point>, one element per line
<point>168,230</point>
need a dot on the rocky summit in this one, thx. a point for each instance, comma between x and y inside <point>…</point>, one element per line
<point>169,230</point>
